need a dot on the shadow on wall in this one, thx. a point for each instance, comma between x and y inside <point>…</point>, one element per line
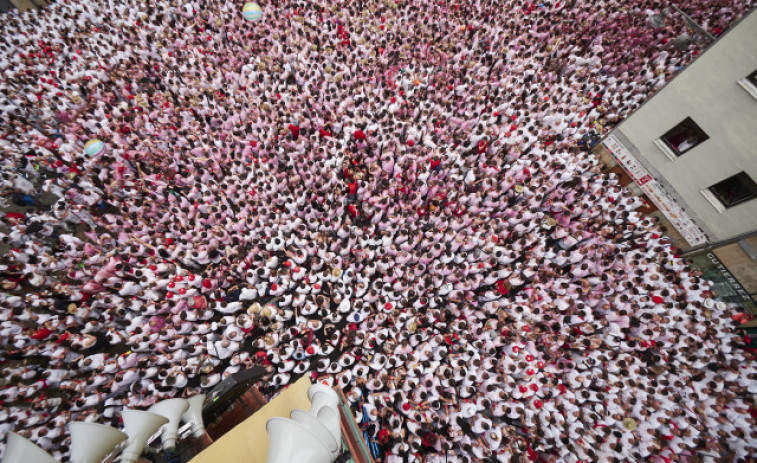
<point>5,6</point>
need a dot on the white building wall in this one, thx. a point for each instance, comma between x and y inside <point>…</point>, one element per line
<point>709,92</point>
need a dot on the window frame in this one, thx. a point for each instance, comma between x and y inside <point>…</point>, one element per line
<point>749,83</point>
<point>752,78</point>
<point>672,151</point>
<point>746,181</point>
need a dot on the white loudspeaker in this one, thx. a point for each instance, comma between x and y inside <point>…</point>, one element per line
<point>21,450</point>
<point>329,417</point>
<point>289,441</point>
<point>318,387</point>
<point>90,442</point>
<point>172,410</point>
<point>139,426</point>
<point>194,415</point>
<point>317,428</point>
<point>322,399</point>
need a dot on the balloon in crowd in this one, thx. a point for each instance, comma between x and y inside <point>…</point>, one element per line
<point>252,11</point>
<point>94,148</point>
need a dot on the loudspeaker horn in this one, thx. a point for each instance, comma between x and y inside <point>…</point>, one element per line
<point>317,428</point>
<point>322,399</point>
<point>194,415</point>
<point>21,450</point>
<point>289,441</point>
<point>172,410</point>
<point>90,442</point>
<point>139,426</point>
<point>329,417</point>
<point>317,387</point>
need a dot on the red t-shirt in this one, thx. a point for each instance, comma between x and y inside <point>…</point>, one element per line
<point>295,130</point>
<point>41,333</point>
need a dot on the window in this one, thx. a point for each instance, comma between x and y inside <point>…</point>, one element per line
<point>749,83</point>
<point>735,190</point>
<point>752,78</point>
<point>684,137</point>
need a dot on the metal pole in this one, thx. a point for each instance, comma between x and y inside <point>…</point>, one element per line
<point>694,25</point>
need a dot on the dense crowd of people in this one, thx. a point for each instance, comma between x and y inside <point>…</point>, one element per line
<point>393,197</point>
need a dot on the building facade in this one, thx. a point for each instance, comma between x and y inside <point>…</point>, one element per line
<point>692,151</point>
